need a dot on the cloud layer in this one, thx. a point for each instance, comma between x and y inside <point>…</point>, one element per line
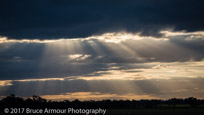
<point>48,19</point>
<point>96,56</point>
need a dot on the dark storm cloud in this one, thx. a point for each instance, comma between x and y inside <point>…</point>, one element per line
<point>50,19</point>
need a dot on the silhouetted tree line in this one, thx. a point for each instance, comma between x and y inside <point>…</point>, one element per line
<point>38,102</point>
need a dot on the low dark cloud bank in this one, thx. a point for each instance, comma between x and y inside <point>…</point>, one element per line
<point>50,19</point>
<point>182,87</point>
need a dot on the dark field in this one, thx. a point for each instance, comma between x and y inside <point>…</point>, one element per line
<point>187,106</point>
<point>156,112</point>
<point>144,112</point>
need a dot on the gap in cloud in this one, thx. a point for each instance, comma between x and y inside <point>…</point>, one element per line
<point>85,96</point>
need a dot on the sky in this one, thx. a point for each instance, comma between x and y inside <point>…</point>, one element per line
<point>104,49</point>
